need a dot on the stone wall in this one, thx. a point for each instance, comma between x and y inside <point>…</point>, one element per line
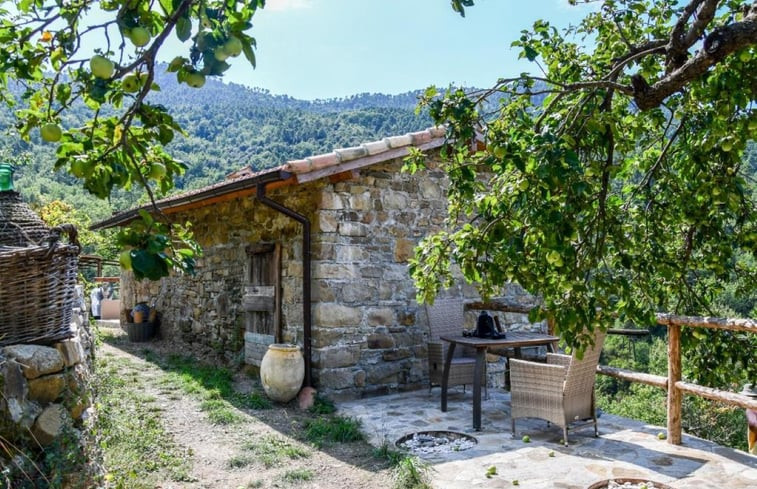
<point>369,334</point>
<point>203,313</point>
<point>45,388</point>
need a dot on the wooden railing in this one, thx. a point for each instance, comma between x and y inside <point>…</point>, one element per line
<point>673,383</point>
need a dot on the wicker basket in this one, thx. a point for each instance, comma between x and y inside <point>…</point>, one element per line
<point>37,276</point>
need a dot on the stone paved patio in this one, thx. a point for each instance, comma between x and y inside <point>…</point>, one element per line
<point>625,448</point>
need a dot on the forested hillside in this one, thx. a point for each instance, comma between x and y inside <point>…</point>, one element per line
<point>228,127</point>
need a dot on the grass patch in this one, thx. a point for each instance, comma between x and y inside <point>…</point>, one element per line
<point>240,461</point>
<point>220,412</point>
<point>333,429</point>
<point>273,450</point>
<point>385,452</point>
<point>298,475</point>
<point>322,406</point>
<point>207,382</point>
<point>411,473</point>
<point>138,452</point>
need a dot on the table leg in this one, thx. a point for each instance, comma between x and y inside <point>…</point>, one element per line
<point>445,375</point>
<point>477,373</point>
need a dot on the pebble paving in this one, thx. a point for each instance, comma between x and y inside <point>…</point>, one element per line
<point>625,448</point>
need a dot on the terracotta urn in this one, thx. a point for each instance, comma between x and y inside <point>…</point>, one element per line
<point>282,371</point>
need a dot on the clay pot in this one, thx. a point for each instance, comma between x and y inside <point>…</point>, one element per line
<point>282,371</point>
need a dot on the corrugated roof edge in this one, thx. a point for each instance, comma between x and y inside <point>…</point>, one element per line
<point>322,164</point>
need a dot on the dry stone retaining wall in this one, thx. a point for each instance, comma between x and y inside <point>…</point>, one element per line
<point>45,388</point>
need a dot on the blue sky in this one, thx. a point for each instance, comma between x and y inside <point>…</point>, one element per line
<point>331,48</point>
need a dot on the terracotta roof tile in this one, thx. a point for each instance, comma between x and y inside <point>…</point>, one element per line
<point>375,147</point>
<point>297,166</point>
<point>420,137</point>
<point>437,131</point>
<point>245,178</point>
<point>347,154</point>
<point>322,161</point>
<point>399,141</point>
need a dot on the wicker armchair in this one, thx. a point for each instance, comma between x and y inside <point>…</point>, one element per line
<point>560,391</point>
<point>446,318</point>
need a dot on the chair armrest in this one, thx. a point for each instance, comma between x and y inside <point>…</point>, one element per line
<point>558,359</point>
<point>535,376</point>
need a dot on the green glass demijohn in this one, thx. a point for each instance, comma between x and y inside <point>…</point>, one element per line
<point>6,177</point>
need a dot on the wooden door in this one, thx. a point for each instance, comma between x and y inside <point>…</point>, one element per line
<point>262,300</point>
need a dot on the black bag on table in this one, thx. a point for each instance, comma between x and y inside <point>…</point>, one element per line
<point>485,327</point>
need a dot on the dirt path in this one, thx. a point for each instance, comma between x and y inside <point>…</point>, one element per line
<point>235,455</point>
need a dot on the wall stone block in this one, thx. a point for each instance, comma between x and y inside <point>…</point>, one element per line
<point>47,388</point>
<point>354,229</point>
<point>403,250</point>
<point>339,356</point>
<point>383,373</point>
<point>396,354</point>
<point>337,315</point>
<point>359,378</point>
<point>380,341</point>
<point>336,378</point>
<point>71,351</point>
<point>383,316</point>
<point>35,360</point>
<point>338,271</point>
<point>50,424</point>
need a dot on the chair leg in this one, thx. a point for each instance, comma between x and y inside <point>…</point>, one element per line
<point>512,421</point>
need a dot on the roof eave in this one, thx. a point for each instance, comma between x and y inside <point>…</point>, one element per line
<point>123,218</point>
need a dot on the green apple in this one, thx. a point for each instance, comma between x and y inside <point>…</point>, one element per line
<point>554,258</point>
<point>233,47</point>
<point>78,169</point>
<point>220,53</point>
<point>139,36</point>
<point>196,79</point>
<point>101,66</point>
<point>727,145</point>
<point>157,171</point>
<point>131,83</point>
<point>526,439</point>
<point>50,132</point>
<point>125,259</point>
<point>661,436</point>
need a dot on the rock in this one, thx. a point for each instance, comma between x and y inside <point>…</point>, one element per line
<point>23,412</point>
<point>378,341</point>
<point>306,398</point>
<point>47,388</point>
<point>71,351</point>
<point>50,424</point>
<point>15,385</point>
<point>36,360</point>
<point>340,356</point>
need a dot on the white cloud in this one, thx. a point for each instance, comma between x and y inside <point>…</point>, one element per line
<point>287,4</point>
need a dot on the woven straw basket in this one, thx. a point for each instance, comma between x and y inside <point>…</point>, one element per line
<point>37,276</point>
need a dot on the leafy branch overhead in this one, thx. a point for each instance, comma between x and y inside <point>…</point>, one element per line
<point>611,180</point>
<point>46,48</point>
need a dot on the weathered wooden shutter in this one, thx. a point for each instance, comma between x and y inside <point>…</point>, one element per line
<point>262,300</point>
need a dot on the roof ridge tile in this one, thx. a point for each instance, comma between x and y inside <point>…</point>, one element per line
<point>352,153</point>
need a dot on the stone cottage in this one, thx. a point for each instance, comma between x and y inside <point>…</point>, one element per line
<point>312,252</point>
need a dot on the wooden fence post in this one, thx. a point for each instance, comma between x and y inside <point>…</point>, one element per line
<point>674,393</point>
